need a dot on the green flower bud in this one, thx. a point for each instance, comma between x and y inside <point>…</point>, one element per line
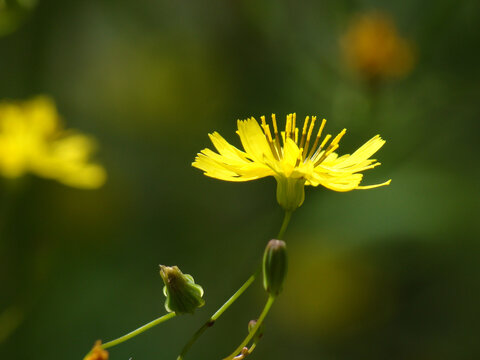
<point>183,295</point>
<point>290,192</point>
<point>274,266</point>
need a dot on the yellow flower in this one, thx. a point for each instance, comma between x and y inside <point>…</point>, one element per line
<point>372,46</point>
<point>31,140</point>
<point>294,159</point>
<point>97,353</point>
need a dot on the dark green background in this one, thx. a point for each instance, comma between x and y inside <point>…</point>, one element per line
<point>390,273</point>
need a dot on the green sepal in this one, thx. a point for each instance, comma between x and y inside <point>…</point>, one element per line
<point>290,192</point>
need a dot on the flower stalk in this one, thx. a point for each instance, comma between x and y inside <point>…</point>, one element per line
<point>210,322</point>
<point>253,332</point>
<point>136,332</point>
<point>286,220</point>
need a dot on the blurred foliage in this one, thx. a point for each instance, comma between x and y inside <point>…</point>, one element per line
<point>13,13</point>
<point>389,273</point>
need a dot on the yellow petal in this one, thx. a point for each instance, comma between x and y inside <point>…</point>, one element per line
<point>291,153</point>
<point>374,186</point>
<point>225,149</point>
<point>254,141</point>
<point>365,151</point>
<point>221,171</point>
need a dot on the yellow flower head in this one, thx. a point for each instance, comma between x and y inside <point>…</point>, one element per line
<point>295,159</point>
<point>97,353</point>
<point>31,140</point>
<point>372,46</point>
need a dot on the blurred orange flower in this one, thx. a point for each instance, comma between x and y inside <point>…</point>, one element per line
<point>372,46</point>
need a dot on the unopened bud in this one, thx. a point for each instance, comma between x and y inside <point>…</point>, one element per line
<point>183,295</point>
<point>274,266</point>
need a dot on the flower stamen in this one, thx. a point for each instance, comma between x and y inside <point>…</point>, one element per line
<point>300,157</point>
<point>277,140</point>
<point>294,128</point>
<point>309,135</point>
<point>268,134</point>
<point>287,128</point>
<point>304,131</point>
<point>324,142</point>
<point>317,139</point>
<point>314,155</point>
<point>332,147</point>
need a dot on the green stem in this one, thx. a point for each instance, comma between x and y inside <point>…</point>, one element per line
<point>254,345</point>
<point>224,307</point>
<point>218,313</point>
<point>286,220</point>
<point>253,332</point>
<point>234,297</point>
<point>140,330</point>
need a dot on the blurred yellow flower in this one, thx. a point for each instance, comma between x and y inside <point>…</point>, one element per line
<point>372,46</point>
<point>290,158</point>
<point>31,140</point>
<point>97,352</point>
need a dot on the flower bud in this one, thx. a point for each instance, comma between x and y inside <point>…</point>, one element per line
<point>97,353</point>
<point>274,266</point>
<point>290,192</point>
<point>183,295</point>
<point>251,325</point>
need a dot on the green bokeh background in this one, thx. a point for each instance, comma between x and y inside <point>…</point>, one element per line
<point>390,273</point>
